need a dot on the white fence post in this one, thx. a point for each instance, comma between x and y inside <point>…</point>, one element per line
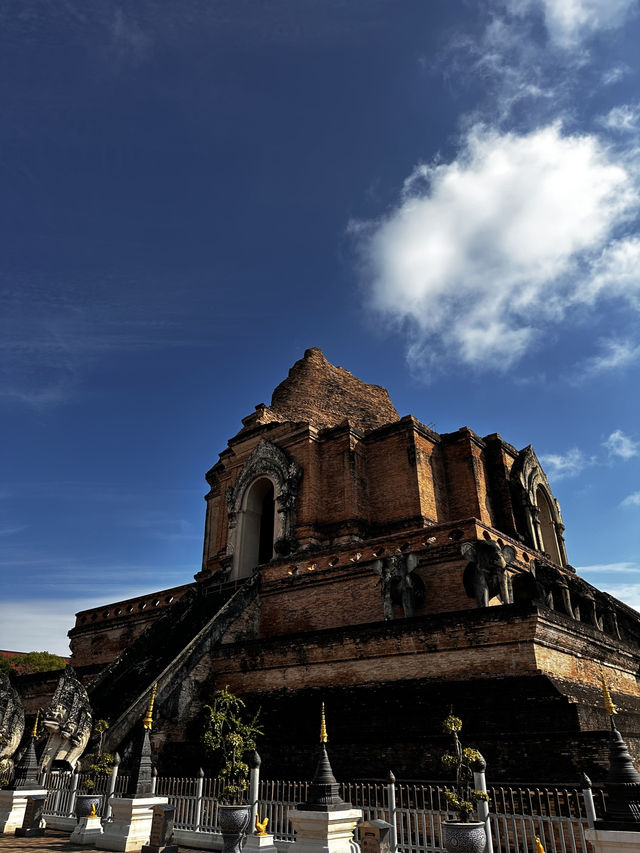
<point>254,787</point>
<point>112,786</point>
<point>391,796</point>
<point>480,784</point>
<point>59,784</point>
<point>74,790</point>
<point>199,789</point>
<point>154,780</point>
<point>589,805</point>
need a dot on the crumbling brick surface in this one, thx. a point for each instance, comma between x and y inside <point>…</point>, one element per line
<point>319,393</point>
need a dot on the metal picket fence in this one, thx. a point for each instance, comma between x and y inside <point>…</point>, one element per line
<point>518,813</point>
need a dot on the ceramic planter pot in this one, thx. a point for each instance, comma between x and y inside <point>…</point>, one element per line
<point>84,803</point>
<point>233,822</point>
<point>468,837</point>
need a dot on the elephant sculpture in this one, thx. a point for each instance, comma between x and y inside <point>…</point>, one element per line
<point>486,575</point>
<point>398,584</point>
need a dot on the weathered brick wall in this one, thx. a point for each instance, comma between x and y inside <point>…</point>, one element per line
<point>102,633</point>
<point>387,687</point>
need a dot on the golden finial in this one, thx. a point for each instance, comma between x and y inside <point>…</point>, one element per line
<point>609,707</point>
<point>323,727</point>
<point>148,717</point>
<point>35,725</point>
<point>539,847</point>
<point>93,812</point>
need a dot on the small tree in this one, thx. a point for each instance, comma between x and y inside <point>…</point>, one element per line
<point>24,664</point>
<point>98,762</point>
<point>37,662</point>
<point>227,737</point>
<point>464,761</point>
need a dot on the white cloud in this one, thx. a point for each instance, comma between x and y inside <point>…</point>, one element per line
<point>619,444</point>
<point>631,500</point>
<point>615,354</point>
<point>626,567</point>
<point>482,252</point>
<point>570,464</point>
<point>616,272</point>
<point>623,118</point>
<point>568,22</point>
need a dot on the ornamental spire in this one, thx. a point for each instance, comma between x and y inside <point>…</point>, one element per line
<point>148,717</point>
<point>323,726</point>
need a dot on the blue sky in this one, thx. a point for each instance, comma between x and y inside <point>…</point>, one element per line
<point>443,196</point>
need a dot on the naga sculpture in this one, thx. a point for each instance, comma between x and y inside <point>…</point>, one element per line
<point>11,723</point>
<point>486,575</point>
<point>68,720</point>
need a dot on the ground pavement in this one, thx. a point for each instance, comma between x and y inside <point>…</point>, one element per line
<point>52,842</point>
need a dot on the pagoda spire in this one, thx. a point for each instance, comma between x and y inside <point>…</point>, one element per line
<point>324,791</point>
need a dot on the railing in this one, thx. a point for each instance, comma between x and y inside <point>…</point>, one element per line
<point>64,787</point>
<point>558,816</point>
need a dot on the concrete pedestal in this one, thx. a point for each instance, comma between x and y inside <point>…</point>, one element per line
<point>610,841</point>
<point>130,826</point>
<point>259,844</point>
<point>324,832</point>
<point>87,831</point>
<point>13,805</point>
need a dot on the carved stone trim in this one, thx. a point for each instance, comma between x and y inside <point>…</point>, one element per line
<point>267,460</point>
<point>527,477</point>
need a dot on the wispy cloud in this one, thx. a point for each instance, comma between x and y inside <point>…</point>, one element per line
<point>613,578</point>
<point>631,500</point>
<point>619,444</point>
<point>162,525</point>
<point>623,118</point>
<point>570,464</point>
<point>51,337</point>
<point>614,354</point>
<point>610,568</point>
<point>10,531</point>
<point>615,74</point>
<point>131,44</point>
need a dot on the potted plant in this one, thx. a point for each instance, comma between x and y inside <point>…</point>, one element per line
<point>227,737</point>
<point>89,803</point>
<point>463,835</point>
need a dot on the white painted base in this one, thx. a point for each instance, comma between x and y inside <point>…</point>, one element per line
<point>324,832</point>
<point>259,844</point>
<point>64,824</point>
<point>13,805</point>
<point>130,826</point>
<point>201,840</point>
<point>87,832</point>
<point>608,841</point>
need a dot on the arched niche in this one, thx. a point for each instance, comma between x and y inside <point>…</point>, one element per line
<point>548,526</point>
<point>262,509</point>
<point>256,528</point>
<point>537,511</point>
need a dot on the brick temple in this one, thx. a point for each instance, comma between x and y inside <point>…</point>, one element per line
<point>358,558</point>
